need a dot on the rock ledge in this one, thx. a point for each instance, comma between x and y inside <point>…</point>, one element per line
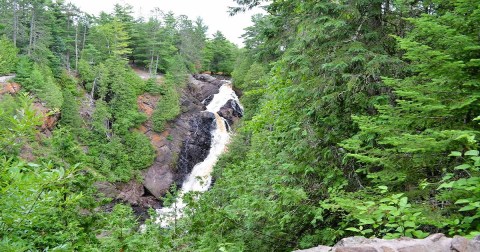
<point>433,243</point>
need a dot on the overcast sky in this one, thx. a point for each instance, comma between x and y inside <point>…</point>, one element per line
<point>213,12</point>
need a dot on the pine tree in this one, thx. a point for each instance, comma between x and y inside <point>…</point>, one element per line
<point>219,54</point>
<point>8,56</point>
<point>433,110</point>
<point>70,115</point>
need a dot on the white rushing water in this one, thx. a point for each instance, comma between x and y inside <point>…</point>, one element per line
<point>200,178</point>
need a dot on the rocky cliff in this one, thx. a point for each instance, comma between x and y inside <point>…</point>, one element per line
<point>185,142</point>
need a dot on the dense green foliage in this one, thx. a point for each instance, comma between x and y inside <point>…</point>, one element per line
<point>219,54</point>
<point>364,125</point>
<point>8,56</point>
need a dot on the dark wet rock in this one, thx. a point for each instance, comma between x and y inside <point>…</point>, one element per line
<point>204,77</point>
<point>196,145</point>
<point>207,100</point>
<point>238,91</point>
<point>205,87</point>
<point>231,111</point>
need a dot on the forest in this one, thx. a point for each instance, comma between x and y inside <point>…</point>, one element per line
<point>361,118</point>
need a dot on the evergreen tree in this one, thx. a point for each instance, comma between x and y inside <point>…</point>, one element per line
<point>70,115</point>
<point>8,56</point>
<point>111,39</point>
<point>219,54</point>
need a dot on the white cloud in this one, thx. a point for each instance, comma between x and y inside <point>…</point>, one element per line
<point>214,12</point>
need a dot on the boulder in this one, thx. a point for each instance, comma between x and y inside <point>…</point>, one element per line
<point>7,78</point>
<point>433,243</point>
<point>108,190</point>
<point>204,77</point>
<point>231,111</point>
<point>204,87</point>
<point>158,179</point>
<point>131,192</point>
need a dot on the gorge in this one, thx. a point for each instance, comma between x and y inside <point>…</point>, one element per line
<point>188,148</point>
<point>199,178</point>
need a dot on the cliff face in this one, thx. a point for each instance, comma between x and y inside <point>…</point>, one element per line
<point>190,131</point>
<point>185,142</point>
<point>433,243</point>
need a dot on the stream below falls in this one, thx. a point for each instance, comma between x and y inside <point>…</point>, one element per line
<point>199,179</point>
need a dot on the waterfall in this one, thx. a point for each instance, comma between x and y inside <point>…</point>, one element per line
<point>200,178</point>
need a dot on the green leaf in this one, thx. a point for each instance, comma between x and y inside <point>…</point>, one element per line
<point>467,208</point>
<point>462,167</point>
<point>409,224</point>
<point>472,153</point>
<point>455,154</point>
<point>383,189</point>
<point>353,229</point>
<point>367,231</point>
<point>420,234</point>
<point>366,221</point>
<point>462,201</point>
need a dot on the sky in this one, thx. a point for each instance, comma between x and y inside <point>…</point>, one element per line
<point>214,12</point>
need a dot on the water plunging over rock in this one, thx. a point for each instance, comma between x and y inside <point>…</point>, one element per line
<point>199,179</point>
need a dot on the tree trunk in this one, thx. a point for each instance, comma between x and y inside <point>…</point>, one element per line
<point>93,89</point>
<point>32,29</point>
<point>156,66</point>
<point>76,48</point>
<point>84,35</point>
<point>15,22</point>
<point>67,53</point>
<point>150,66</point>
